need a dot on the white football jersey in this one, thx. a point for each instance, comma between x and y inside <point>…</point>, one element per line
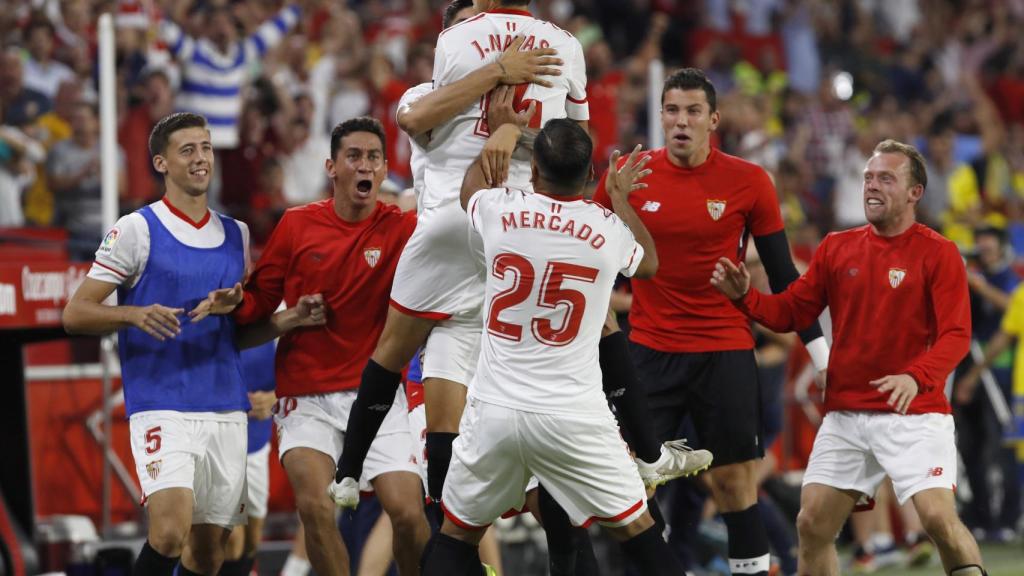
<point>550,267</point>
<point>472,44</point>
<point>418,144</point>
<point>122,256</point>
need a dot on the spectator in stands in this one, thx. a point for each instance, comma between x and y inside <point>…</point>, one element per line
<point>215,67</point>
<point>73,170</point>
<point>791,188</point>
<point>848,199</point>
<point>21,105</point>
<point>830,123</point>
<point>75,37</point>
<point>49,129</point>
<point>18,153</point>
<point>41,72</point>
<point>387,88</point>
<point>953,202</point>
<point>296,77</point>
<point>157,101</point>
<point>799,39</point>
<point>345,67</point>
<point>979,436</point>
<point>302,163</point>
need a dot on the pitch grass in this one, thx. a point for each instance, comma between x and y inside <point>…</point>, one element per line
<point>1000,560</point>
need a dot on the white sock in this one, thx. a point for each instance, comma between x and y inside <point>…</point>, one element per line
<point>295,566</point>
<point>881,541</point>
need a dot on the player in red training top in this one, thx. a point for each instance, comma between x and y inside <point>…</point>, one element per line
<point>345,248</point>
<point>692,349</point>
<point>901,321</point>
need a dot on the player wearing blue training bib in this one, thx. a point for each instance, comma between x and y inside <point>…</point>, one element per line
<point>183,385</point>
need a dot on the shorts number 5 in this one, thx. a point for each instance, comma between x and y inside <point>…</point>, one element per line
<point>153,440</point>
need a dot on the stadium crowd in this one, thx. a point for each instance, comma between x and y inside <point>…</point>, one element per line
<point>807,88</point>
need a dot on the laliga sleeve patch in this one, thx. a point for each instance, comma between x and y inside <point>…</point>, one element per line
<point>107,246</point>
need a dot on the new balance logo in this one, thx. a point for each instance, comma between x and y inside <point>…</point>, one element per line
<point>934,471</point>
<point>650,206</point>
<point>380,407</point>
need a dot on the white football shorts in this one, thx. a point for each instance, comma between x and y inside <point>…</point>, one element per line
<point>318,422</point>
<point>439,272</point>
<point>257,478</point>
<point>202,451</point>
<point>857,450</point>
<point>580,459</point>
<point>418,434</point>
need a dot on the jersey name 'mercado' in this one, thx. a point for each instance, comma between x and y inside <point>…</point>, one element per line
<point>551,222</point>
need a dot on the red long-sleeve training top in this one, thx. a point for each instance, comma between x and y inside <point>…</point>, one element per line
<point>313,251</point>
<point>899,305</point>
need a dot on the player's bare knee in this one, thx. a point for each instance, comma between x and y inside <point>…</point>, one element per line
<point>405,518</point>
<point>812,528</point>
<point>249,548</point>
<point>940,525</point>
<point>445,423</point>
<point>733,488</point>
<point>253,532</point>
<point>391,355</point>
<point>168,538</point>
<point>315,509</point>
<point>235,547</point>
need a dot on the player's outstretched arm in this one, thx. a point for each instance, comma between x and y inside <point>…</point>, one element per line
<point>796,308</point>
<point>619,183</point>
<point>86,313</point>
<point>221,301</point>
<point>308,311</point>
<point>513,67</point>
<point>778,265</point>
<point>490,168</point>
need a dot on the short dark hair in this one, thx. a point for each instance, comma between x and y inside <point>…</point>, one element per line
<point>170,124</point>
<point>151,72</point>
<point>452,9</point>
<point>991,230</point>
<point>918,173</point>
<point>563,151</point>
<point>360,124</point>
<point>691,79</point>
<point>39,21</point>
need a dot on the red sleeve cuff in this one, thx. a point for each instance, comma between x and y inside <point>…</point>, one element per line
<point>247,312</point>
<point>922,385</point>
<point>747,302</point>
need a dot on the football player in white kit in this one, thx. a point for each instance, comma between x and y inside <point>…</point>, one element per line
<point>536,405</point>
<point>438,288</point>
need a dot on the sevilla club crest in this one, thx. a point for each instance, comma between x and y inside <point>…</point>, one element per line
<point>716,208</point>
<point>896,277</point>
<point>153,468</point>
<point>372,256</point>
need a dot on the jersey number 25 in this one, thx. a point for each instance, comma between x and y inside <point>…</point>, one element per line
<point>552,295</point>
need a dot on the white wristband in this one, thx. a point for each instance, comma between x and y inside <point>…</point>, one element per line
<point>818,350</point>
